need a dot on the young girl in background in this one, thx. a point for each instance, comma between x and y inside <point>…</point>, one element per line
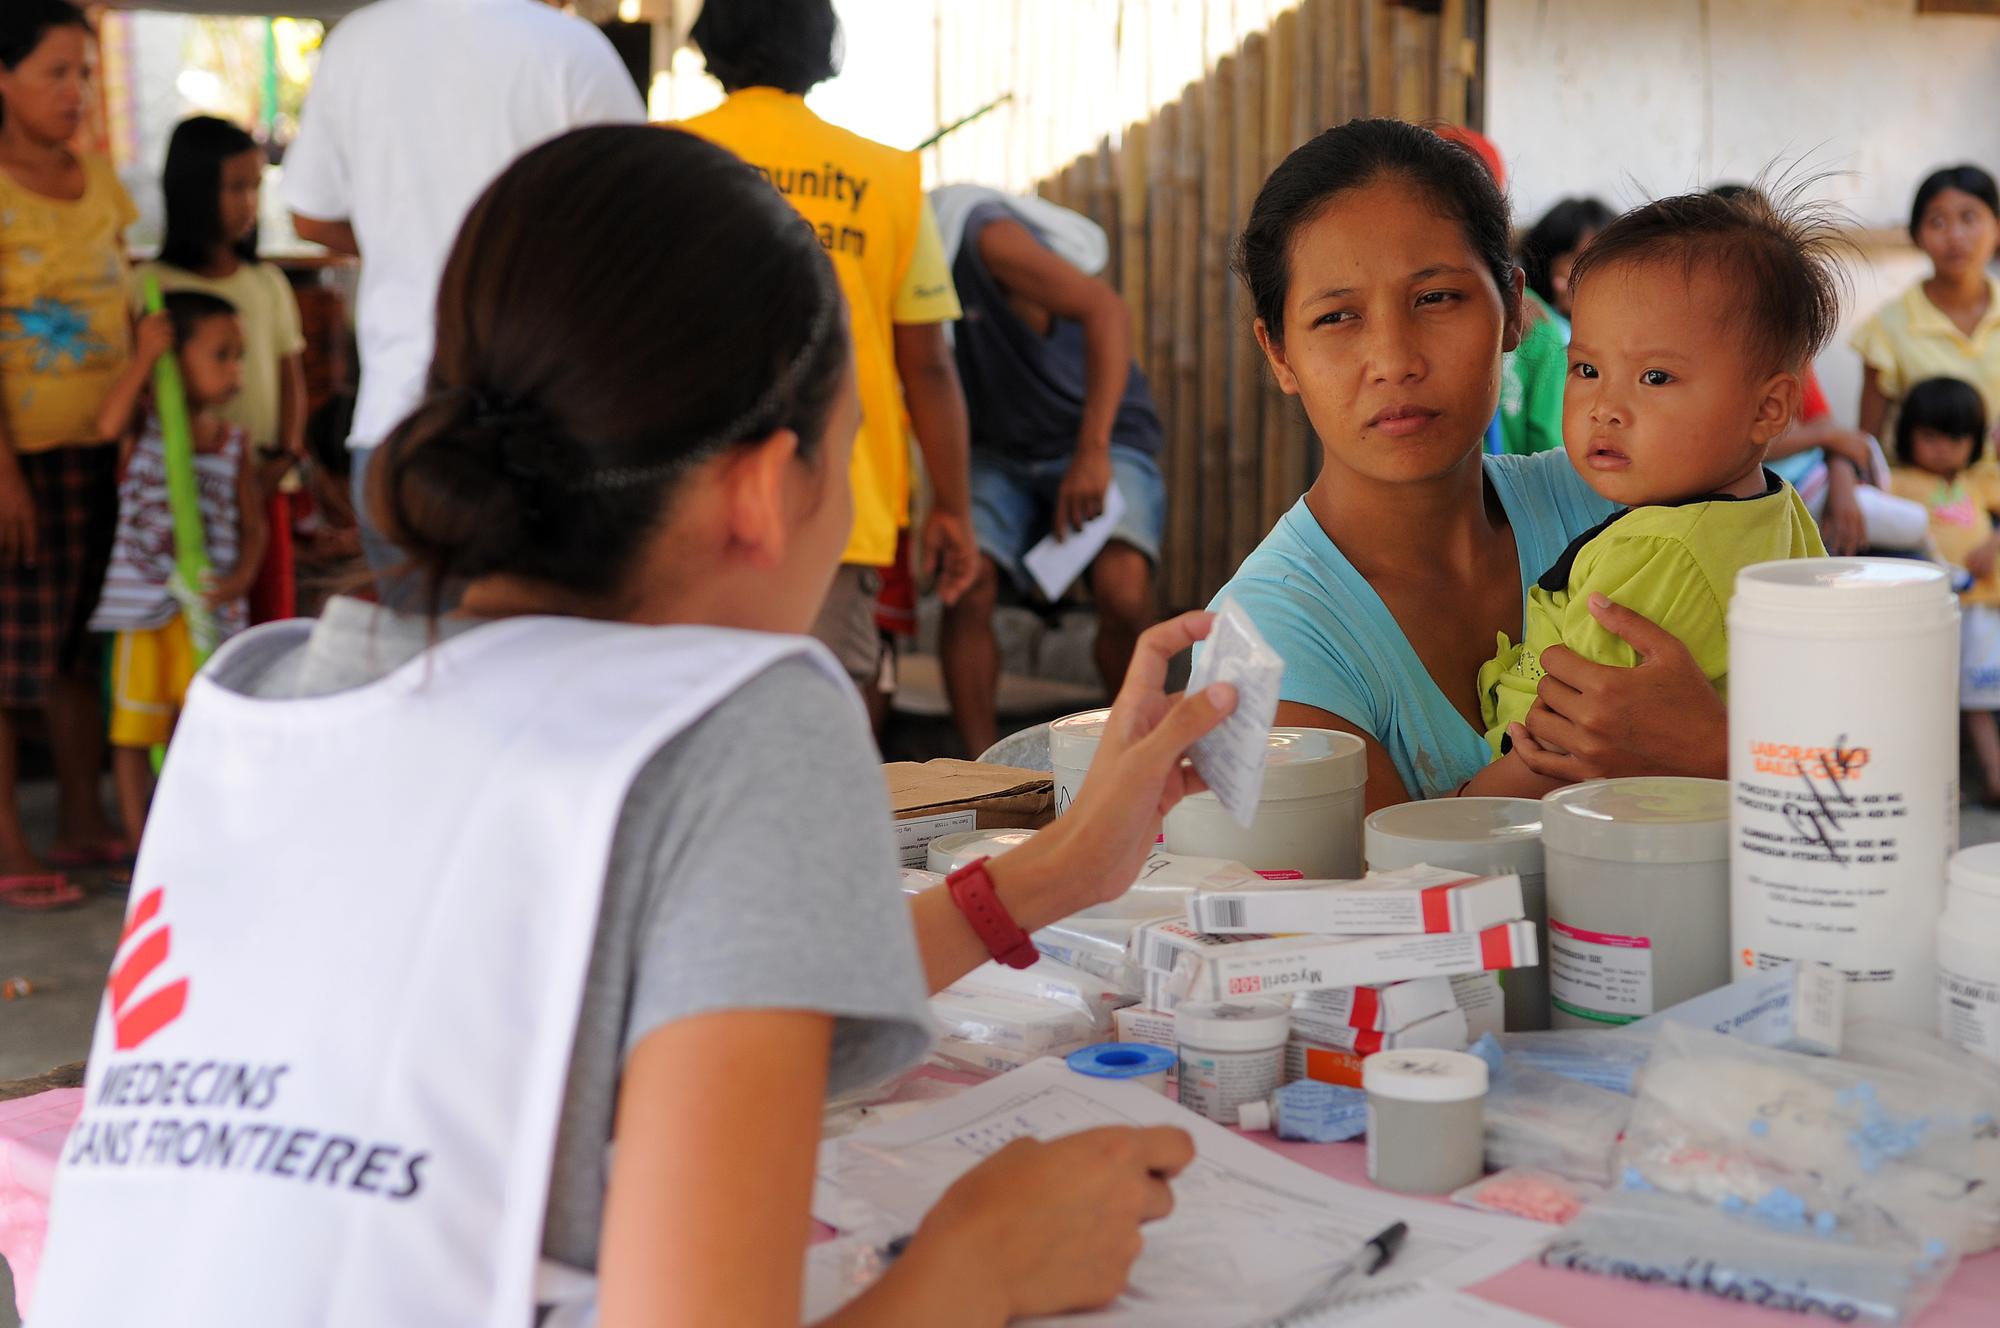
<point>1941,462</point>
<point>1532,374</point>
<point>153,658</point>
<point>1947,325</point>
<point>212,179</point>
<point>64,337</point>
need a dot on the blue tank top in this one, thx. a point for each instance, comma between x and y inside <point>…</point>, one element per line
<point>1343,651</point>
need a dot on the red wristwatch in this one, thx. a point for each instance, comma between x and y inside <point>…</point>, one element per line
<point>972,890</point>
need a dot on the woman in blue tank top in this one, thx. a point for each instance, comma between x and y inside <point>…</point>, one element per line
<point>1377,256</point>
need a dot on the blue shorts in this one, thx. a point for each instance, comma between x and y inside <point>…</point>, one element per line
<point>1014,504</point>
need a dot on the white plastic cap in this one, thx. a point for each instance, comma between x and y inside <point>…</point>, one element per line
<point>1424,1076</point>
<point>1645,819</point>
<point>1977,869</point>
<point>1309,763</point>
<point>1842,599</point>
<point>1254,1115</point>
<point>1073,739</point>
<point>1254,1025</point>
<point>1467,834</point>
<point>1974,896</point>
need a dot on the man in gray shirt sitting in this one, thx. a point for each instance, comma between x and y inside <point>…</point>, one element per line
<point>1059,414</point>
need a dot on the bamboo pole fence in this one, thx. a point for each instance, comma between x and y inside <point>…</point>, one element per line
<point>1172,186</point>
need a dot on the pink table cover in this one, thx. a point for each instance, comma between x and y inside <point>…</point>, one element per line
<point>32,1130</point>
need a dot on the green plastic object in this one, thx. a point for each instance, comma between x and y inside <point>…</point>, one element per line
<point>191,565</point>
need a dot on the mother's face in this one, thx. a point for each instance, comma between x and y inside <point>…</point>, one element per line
<point>1393,333</point>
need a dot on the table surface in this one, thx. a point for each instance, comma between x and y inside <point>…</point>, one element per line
<point>32,1130</point>
<point>1582,1300</point>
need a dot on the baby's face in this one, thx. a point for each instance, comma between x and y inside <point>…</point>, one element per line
<point>1662,402</point>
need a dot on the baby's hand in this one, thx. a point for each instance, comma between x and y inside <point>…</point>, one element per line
<point>1980,561</point>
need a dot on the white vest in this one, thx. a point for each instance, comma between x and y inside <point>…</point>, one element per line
<point>327,1074</point>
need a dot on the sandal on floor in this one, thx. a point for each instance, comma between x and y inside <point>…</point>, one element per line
<point>109,853</point>
<point>33,892</point>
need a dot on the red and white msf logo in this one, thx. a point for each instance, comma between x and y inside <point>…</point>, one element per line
<point>136,1018</point>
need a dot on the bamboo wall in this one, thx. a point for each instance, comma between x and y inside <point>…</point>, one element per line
<point>1173,189</point>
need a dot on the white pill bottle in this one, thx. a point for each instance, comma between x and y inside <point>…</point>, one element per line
<point>1843,767</point>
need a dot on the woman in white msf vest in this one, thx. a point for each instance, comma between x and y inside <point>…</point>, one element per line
<point>498,963</point>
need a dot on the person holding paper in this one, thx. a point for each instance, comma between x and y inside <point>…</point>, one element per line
<point>1064,435</point>
<point>588,896</point>
<point>1379,262</point>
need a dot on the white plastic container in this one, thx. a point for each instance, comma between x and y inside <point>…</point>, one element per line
<point>1638,896</point>
<point>1968,944</point>
<point>1231,1052</point>
<point>1308,819</point>
<point>1073,742</point>
<point>1843,757</point>
<point>948,853</point>
<point>1425,1120</point>
<point>1485,835</point>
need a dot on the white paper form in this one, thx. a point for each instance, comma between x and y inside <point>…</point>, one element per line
<point>1251,1231</point>
<point>1424,1307</point>
<point>1231,758</point>
<point>1056,565</point>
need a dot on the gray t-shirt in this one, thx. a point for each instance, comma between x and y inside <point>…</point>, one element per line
<point>753,868</point>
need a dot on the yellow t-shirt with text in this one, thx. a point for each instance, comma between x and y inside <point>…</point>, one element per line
<point>65,332</point>
<point>865,201</point>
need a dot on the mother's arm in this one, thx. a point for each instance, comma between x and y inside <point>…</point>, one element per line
<point>1600,721</point>
<point>1385,782</point>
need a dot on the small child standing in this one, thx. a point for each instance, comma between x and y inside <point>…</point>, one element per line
<point>1941,462</point>
<point>1695,317</point>
<point>153,659</point>
<point>211,182</point>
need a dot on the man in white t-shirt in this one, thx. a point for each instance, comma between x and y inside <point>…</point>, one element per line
<point>416,107</point>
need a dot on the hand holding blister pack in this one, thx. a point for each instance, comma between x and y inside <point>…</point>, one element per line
<point>1230,759</point>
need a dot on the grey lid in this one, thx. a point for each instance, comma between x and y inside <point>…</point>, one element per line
<point>1652,819</point>
<point>1465,834</point>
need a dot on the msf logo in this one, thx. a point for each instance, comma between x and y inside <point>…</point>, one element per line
<point>141,951</point>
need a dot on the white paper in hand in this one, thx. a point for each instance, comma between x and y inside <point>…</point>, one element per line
<point>1055,565</point>
<point>1231,758</point>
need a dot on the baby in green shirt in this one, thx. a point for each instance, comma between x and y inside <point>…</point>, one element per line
<point>1694,318</point>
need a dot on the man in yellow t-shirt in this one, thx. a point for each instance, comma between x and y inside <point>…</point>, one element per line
<point>866,203</point>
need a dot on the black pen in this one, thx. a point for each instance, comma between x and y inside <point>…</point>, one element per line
<point>1370,1259</point>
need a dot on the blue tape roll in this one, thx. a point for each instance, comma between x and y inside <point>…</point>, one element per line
<point>1122,1060</point>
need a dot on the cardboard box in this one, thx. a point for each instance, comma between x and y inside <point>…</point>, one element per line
<point>1136,1023</point>
<point>1159,945</point>
<point>1483,1003</point>
<point>930,799</point>
<point>1164,991</point>
<point>1800,1006</point>
<point>1154,1028</point>
<point>1305,1059</point>
<point>1444,1032</point>
<point>1397,903</point>
<point>1387,1008</point>
<point>1276,965</point>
